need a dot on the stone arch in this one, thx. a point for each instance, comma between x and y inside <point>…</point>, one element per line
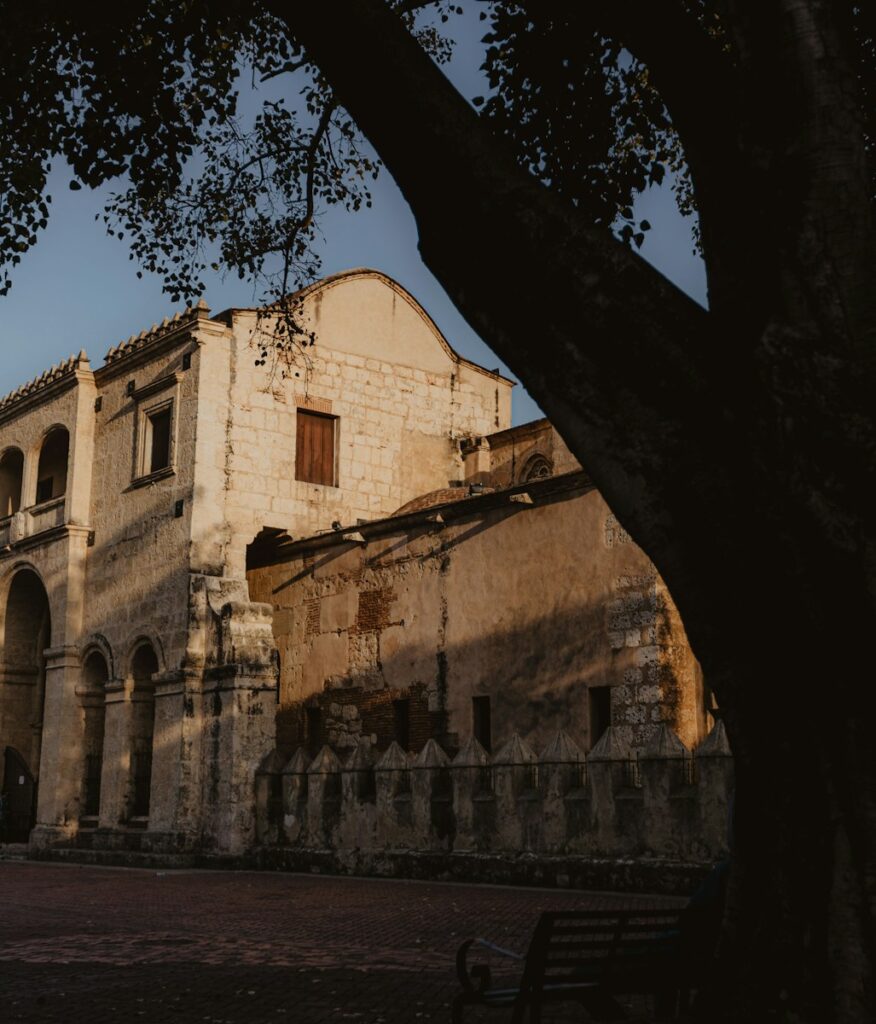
<point>536,467</point>
<point>144,665</point>
<point>53,463</point>
<point>7,576</point>
<point>26,634</point>
<point>140,638</point>
<point>11,478</point>
<point>98,642</point>
<point>96,673</point>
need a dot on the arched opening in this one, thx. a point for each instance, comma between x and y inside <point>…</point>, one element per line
<point>537,467</point>
<point>11,471</point>
<point>26,635</point>
<point>95,675</point>
<point>52,472</point>
<point>144,665</point>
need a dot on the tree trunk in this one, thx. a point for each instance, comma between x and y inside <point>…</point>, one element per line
<point>744,466</point>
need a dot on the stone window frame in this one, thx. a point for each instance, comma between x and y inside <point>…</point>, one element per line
<point>319,407</point>
<point>537,466</point>
<point>151,399</point>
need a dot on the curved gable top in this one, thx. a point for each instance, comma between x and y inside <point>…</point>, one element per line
<point>367,313</point>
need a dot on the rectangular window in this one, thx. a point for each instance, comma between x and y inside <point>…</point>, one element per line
<point>481,725</point>
<point>315,448</point>
<point>599,711</point>
<point>402,712</point>
<point>158,439</point>
<point>313,725</point>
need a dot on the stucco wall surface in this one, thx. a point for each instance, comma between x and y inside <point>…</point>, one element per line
<point>402,398</point>
<point>527,604</point>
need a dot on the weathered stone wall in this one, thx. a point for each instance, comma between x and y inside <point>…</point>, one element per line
<point>403,400</point>
<point>517,454</point>
<point>527,603</point>
<point>664,805</point>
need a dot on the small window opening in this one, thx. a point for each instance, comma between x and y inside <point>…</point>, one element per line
<point>481,724</point>
<point>402,713</point>
<point>158,439</point>
<point>315,448</point>
<point>313,725</point>
<point>599,710</point>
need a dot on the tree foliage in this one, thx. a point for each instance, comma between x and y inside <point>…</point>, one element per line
<point>150,99</point>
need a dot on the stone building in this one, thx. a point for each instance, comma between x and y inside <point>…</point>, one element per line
<point>189,536</point>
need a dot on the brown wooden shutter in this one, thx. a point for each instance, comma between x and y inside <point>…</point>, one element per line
<point>315,448</point>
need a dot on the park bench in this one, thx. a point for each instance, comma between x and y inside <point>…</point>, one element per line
<point>591,957</point>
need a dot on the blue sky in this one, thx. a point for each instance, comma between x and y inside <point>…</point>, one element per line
<point>77,288</point>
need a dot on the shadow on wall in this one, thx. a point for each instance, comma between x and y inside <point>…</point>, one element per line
<point>571,667</point>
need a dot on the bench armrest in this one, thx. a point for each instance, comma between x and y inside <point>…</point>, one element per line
<point>479,973</point>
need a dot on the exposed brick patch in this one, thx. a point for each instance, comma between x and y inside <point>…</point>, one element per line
<point>374,608</point>
<point>312,622</point>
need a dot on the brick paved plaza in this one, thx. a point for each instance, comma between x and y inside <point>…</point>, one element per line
<point>88,944</point>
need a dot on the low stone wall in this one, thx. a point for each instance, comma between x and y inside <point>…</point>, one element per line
<point>514,817</point>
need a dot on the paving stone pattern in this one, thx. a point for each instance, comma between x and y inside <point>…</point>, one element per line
<point>86,944</point>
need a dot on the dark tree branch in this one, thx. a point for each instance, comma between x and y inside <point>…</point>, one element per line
<point>289,68</point>
<point>698,83</point>
<point>623,363</point>
<point>312,153</point>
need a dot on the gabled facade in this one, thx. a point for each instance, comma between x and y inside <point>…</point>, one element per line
<point>138,681</point>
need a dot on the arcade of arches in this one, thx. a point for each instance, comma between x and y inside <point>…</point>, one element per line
<point>27,636</point>
<point>50,480</point>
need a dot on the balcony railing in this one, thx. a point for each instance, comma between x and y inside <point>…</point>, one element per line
<point>31,521</point>
<point>47,515</point>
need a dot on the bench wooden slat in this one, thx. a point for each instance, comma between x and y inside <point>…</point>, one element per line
<point>590,957</point>
<point>628,927</point>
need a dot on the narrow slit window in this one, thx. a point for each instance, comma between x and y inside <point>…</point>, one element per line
<point>481,722</point>
<point>158,439</point>
<point>315,448</point>
<point>313,726</point>
<point>402,714</point>
<point>599,711</point>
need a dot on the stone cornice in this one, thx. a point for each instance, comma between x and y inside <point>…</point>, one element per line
<point>46,386</point>
<point>168,326</point>
<point>54,533</point>
<point>169,381</point>
<point>142,347</point>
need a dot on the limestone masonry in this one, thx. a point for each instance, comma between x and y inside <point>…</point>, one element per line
<point>225,583</point>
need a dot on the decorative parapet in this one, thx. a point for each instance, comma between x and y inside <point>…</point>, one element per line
<point>612,746</point>
<point>511,803</point>
<point>664,743</point>
<point>169,325</point>
<point>471,755</point>
<point>716,743</point>
<point>516,751</point>
<point>431,756</point>
<point>60,371</point>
